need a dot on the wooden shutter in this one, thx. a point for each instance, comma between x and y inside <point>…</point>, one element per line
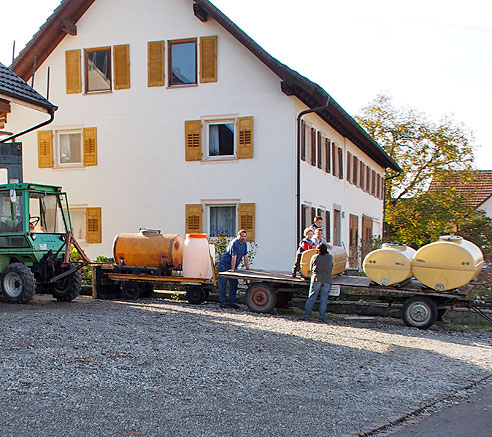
<point>340,163</point>
<point>334,159</point>
<point>327,155</point>
<point>245,137</point>
<point>90,146</point>
<point>303,140</point>
<point>349,167</point>
<point>193,140</point>
<point>155,54</point>
<point>193,218</point>
<point>93,225</point>
<point>121,61</point>
<point>320,150</point>
<point>313,146</point>
<point>246,214</point>
<point>355,172</point>
<point>73,78</point>
<point>362,175</point>
<point>373,182</point>
<point>208,59</point>
<point>45,149</point>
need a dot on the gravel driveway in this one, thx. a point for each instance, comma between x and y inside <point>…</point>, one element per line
<point>160,367</point>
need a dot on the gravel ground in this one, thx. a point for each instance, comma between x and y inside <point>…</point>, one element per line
<point>160,367</point>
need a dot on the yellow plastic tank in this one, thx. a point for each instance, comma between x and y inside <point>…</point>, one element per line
<point>148,249</point>
<point>392,264</point>
<point>339,260</point>
<point>448,263</point>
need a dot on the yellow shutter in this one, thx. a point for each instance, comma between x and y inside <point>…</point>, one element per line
<point>208,59</point>
<point>246,214</point>
<point>193,218</point>
<point>155,54</point>
<point>45,149</point>
<point>90,145</point>
<point>73,77</point>
<point>245,137</point>
<point>193,138</point>
<point>121,60</point>
<point>93,225</point>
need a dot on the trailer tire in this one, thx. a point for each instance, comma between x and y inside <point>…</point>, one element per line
<point>18,283</point>
<point>419,312</point>
<point>196,295</point>
<point>146,289</point>
<point>68,288</point>
<point>130,290</point>
<point>261,298</point>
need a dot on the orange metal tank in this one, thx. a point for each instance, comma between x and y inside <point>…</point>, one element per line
<point>148,249</point>
<point>339,260</point>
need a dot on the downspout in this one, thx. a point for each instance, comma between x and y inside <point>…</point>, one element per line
<point>51,111</point>
<point>298,162</point>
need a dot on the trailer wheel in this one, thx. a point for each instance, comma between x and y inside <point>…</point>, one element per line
<point>130,290</point>
<point>419,312</point>
<point>68,288</point>
<point>18,283</point>
<point>146,289</point>
<point>196,295</point>
<point>261,298</point>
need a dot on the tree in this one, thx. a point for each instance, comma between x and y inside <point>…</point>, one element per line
<point>424,150</point>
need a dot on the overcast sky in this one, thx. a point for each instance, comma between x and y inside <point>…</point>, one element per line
<point>433,55</point>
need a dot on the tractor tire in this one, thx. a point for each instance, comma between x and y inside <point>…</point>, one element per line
<point>419,312</point>
<point>68,288</point>
<point>261,298</point>
<point>18,283</point>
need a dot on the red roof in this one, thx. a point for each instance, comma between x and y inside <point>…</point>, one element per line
<point>477,189</point>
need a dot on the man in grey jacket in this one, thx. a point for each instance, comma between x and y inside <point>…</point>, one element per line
<point>321,270</point>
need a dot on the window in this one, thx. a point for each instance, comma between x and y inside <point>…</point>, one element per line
<point>46,213</point>
<point>98,69</point>
<point>11,218</point>
<point>327,226</point>
<point>77,217</point>
<point>182,62</point>
<point>69,148</point>
<point>221,138</point>
<point>222,221</point>
<point>304,219</point>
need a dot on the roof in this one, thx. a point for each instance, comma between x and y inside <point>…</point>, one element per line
<point>63,20</point>
<point>476,189</point>
<point>14,87</point>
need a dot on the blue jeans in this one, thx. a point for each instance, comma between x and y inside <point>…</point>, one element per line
<point>232,290</point>
<point>315,288</point>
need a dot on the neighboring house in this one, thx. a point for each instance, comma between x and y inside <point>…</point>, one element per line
<point>476,187</point>
<point>14,91</point>
<point>171,117</point>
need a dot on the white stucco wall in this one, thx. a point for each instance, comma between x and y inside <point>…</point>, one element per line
<point>142,178</point>
<point>487,207</point>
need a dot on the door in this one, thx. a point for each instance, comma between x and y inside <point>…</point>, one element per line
<point>354,241</point>
<point>337,241</point>
<point>366,236</point>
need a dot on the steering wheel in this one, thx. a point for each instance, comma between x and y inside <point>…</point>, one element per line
<point>34,220</point>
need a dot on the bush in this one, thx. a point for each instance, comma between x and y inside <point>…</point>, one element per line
<point>221,242</point>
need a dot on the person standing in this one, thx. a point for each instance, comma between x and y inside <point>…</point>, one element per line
<point>321,270</point>
<point>237,251</point>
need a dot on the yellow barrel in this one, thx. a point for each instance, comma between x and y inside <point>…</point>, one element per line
<point>339,260</point>
<point>148,249</point>
<point>389,265</point>
<point>448,263</point>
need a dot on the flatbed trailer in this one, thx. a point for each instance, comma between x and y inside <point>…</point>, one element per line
<point>421,306</point>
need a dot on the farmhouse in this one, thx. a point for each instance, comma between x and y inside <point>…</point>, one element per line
<point>183,123</point>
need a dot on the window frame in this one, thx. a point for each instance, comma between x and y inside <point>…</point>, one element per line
<point>79,208</point>
<point>170,44</point>
<point>57,161</point>
<point>207,122</point>
<point>212,204</point>
<point>86,69</point>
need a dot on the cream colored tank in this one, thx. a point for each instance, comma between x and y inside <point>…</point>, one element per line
<point>339,260</point>
<point>448,263</point>
<point>148,249</point>
<point>392,264</point>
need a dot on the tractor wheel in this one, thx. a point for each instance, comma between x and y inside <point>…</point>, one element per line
<point>18,283</point>
<point>261,298</point>
<point>419,312</point>
<point>68,288</point>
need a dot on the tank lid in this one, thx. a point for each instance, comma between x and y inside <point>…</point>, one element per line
<point>451,238</point>
<point>145,231</point>
<point>196,235</point>
<point>393,245</point>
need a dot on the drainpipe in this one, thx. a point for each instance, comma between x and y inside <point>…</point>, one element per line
<point>51,111</point>
<point>298,162</point>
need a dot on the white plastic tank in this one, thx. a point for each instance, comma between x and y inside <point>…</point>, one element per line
<point>196,256</point>
<point>389,265</point>
<point>448,263</point>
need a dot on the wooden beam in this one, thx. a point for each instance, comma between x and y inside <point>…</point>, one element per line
<point>4,106</point>
<point>200,13</point>
<point>286,88</point>
<point>68,26</point>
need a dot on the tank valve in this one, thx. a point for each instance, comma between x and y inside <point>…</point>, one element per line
<point>384,282</point>
<point>439,287</point>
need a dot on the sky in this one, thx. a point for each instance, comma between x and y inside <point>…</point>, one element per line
<point>431,55</point>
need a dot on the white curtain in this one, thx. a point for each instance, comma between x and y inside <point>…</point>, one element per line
<point>213,140</point>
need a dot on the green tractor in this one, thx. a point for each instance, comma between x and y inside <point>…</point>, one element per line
<point>35,243</point>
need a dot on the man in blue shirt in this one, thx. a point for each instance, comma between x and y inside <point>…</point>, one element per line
<point>237,250</point>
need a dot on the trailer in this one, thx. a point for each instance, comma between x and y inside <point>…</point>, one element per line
<point>421,306</point>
